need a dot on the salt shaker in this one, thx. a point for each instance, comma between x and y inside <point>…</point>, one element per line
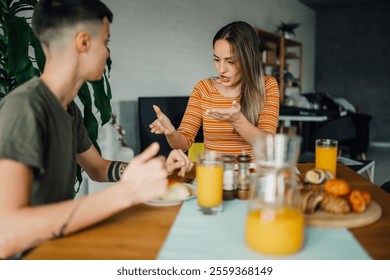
<point>228,177</point>
<point>243,176</point>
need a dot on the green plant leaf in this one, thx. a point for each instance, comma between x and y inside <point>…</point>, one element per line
<point>2,21</point>
<point>22,5</point>
<point>90,121</point>
<point>79,177</point>
<point>4,6</point>
<point>101,101</point>
<point>109,63</point>
<point>108,87</point>
<point>18,43</point>
<point>3,41</point>
<point>4,65</point>
<point>25,73</point>
<point>38,51</point>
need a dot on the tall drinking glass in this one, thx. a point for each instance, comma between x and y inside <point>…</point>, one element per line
<point>209,178</point>
<point>326,154</point>
<point>274,221</point>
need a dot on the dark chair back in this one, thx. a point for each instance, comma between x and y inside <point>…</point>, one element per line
<point>386,186</point>
<point>173,107</point>
<point>362,140</point>
<point>351,131</point>
<point>341,129</point>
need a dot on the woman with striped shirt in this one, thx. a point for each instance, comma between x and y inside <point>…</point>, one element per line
<point>233,107</point>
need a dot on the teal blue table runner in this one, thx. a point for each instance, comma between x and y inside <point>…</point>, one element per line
<point>195,236</point>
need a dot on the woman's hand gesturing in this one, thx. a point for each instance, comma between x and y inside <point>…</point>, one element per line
<point>230,115</point>
<point>162,125</point>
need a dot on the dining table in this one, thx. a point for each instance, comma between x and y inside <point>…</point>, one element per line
<point>139,232</point>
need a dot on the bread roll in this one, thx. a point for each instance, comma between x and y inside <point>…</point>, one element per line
<point>176,191</point>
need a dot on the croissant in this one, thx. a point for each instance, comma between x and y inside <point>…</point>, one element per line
<point>335,204</point>
<point>310,200</point>
<point>318,176</point>
<point>315,176</point>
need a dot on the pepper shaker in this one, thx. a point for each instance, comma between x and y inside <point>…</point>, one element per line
<point>243,176</point>
<point>228,177</point>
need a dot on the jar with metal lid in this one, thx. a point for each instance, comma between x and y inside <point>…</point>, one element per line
<point>243,179</point>
<point>228,177</point>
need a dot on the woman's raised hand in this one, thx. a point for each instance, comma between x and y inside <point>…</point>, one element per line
<point>162,125</point>
<point>230,115</point>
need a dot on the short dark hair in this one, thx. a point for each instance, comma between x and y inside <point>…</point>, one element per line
<point>53,15</point>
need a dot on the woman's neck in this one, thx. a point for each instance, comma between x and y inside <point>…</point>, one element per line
<point>228,91</point>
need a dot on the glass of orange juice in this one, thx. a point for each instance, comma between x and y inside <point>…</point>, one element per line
<point>274,222</point>
<point>326,154</point>
<point>209,177</point>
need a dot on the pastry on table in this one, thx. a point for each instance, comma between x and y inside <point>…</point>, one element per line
<point>176,191</point>
<point>335,204</point>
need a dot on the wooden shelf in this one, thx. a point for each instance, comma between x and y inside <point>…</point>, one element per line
<point>285,49</point>
<point>292,56</point>
<point>292,43</point>
<point>271,64</point>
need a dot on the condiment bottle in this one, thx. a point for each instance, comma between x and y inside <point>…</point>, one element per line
<point>243,176</point>
<point>228,177</point>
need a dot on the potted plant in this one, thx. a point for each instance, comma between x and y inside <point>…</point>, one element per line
<point>287,29</point>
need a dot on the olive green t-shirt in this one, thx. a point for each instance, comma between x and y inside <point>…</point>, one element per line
<point>37,131</point>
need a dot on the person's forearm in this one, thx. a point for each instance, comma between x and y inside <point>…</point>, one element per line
<point>30,226</point>
<point>115,170</point>
<point>108,171</point>
<point>247,130</point>
<point>177,141</point>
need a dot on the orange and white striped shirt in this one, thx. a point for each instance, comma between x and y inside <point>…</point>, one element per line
<point>218,135</point>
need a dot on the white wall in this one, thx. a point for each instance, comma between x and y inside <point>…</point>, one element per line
<point>163,47</point>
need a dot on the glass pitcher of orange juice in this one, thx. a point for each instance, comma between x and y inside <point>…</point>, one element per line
<point>274,223</point>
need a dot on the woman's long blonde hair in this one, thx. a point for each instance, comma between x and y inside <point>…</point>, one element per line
<point>245,45</point>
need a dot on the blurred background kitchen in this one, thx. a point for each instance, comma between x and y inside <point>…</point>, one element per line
<point>163,47</point>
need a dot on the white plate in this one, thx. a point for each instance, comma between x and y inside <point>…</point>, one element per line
<point>159,202</point>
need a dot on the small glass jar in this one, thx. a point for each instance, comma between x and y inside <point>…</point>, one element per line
<point>243,179</point>
<point>228,177</point>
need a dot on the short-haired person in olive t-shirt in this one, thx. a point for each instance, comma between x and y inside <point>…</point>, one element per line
<point>42,137</point>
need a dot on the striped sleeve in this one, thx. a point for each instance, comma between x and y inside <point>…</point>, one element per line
<point>192,118</point>
<point>269,115</point>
